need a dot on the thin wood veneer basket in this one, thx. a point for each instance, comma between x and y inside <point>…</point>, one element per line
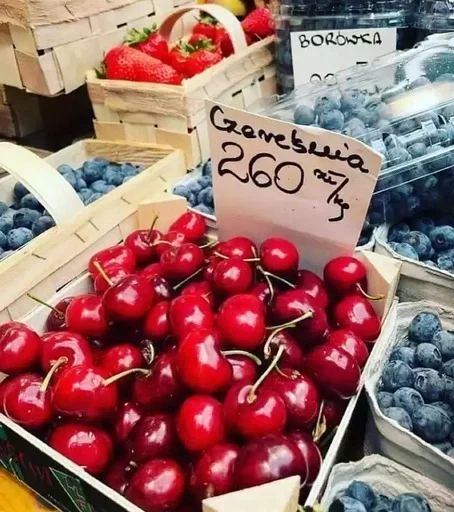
<point>175,115</point>
<point>54,258</point>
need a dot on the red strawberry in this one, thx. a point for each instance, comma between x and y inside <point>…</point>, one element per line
<point>199,42</point>
<point>178,58</point>
<point>149,41</point>
<point>200,60</point>
<point>164,74</point>
<point>259,23</point>
<point>224,42</point>
<point>207,26</point>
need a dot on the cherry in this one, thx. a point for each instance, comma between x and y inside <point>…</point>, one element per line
<point>263,292</point>
<point>27,401</point>
<point>351,343</point>
<point>110,275</point>
<point>241,321</point>
<point>309,452</point>
<point>213,473</point>
<point>153,436</point>
<point>292,356</point>
<point>279,256</point>
<point>122,358</point>
<point>189,312</point>
<point>200,423</point>
<point>156,326</point>
<point>56,319</point>
<point>88,446</point>
<point>117,255</point>
<point>179,263</point>
<point>192,225</point>
<point>333,411</point>
<point>157,486</point>
<point>119,475</point>
<point>151,270</point>
<point>210,267</point>
<point>141,242</point>
<point>314,287</point>
<point>202,288</point>
<point>70,345</point>
<point>127,418</point>
<point>161,288</point>
<point>345,275</point>
<point>237,247</point>
<point>3,385</point>
<point>334,370</point>
<point>130,299</point>
<point>244,369</point>
<point>170,239</point>
<point>267,459</point>
<point>232,276</point>
<point>19,348</point>
<point>357,314</point>
<point>86,315</point>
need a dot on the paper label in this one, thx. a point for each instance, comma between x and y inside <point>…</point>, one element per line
<point>273,178</point>
<point>318,55</point>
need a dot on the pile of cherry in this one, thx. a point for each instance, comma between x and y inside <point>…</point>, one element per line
<point>195,368</point>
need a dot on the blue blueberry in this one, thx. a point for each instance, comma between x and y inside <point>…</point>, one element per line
<point>304,115</point>
<point>445,260</point>
<point>423,327</point>
<point>206,197</point>
<point>449,390</point>
<point>127,178</point>
<point>385,400</point>
<point>94,197</point>
<point>408,399</point>
<point>355,123</point>
<point>431,423</point>
<point>444,447</point>
<point>362,492</point>
<point>207,168</point>
<point>24,218</point>
<point>19,237</point>
<point>450,453</point>
<point>20,191</point>
<point>397,374</point>
<point>203,208</point>
<point>446,408</point>
<point>384,126</point>
<point>405,250</point>
<point>64,168</point>
<point>205,181</point>
<point>384,504</point>
<point>442,238</point>
<point>194,186</point>
<point>448,368</point>
<point>6,224</point>
<point>42,224</point>
<point>352,99</point>
<point>183,191</point>
<point>420,243</point>
<point>80,184</point>
<point>326,102</point>
<point>362,113</point>
<point>410,502</point>
<point>408,126</point>
<point>109,188</point>
<point>5,254</point>
<point>429,383</point>
<point>70,177</point>
<point>401,416</point>
<point>428,356</point>
<point>405,354</point>
<point>423,224</point>
<point>30,201</point>
<point>346,504</point>
<point>398,156</point>
<point>129,170</point>
<point>398,231</point>
<point>79,174</point>
<point>331,120</point>
<point>113,176</point>
<point>99,187</point>
<point>3,241</point>
<point>376,112</point>
<point>444,341</point>
<point>93,170</point>
<point>417,149</point>
<point>85,194</point>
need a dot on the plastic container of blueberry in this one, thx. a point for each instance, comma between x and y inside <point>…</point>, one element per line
<point>410,390</point>
<point>381,485</point>
<point>433,17</point>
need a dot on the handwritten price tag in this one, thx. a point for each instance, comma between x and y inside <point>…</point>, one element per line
<point>306,184</point>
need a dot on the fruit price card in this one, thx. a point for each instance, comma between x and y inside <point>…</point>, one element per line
<point>309,185</point>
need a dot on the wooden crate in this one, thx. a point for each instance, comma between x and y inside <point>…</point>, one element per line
<point>46,46</point>
<point>19,113</point>
<point>54,258</point>
<point>175,115</point>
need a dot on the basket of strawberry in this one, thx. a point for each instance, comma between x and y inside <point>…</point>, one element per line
<point>152,87</point>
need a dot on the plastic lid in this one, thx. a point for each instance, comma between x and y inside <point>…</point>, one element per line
<point>342,7</point>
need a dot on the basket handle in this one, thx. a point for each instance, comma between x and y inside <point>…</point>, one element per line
<point>221,14</point>
<point>43,181</point>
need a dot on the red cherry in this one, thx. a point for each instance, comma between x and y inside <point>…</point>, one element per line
<point>333,411</point>
<point>26,403</point>
<point>127,418</point>
<point>262,292</point>
<point>88,446</point>
<point>117,255</point>
<point>267,459</point>
<point>192,225</point>
<point>314,287</point>
<point>161,288</point>
<point>80,392</point>
<point>156,326</point>
<point>115,274</point>
<point>244,369</point>
<point>74,347</point>
<point>238,247</point>
<point>122,358</point>
<point>213,262</point>
<point>334,370</point>
<point>170,239</point>
<point>201,288</point>
<point>153,436</point>
<point>232,276</point>
<point>254,414</point>
<point>151,270</point>
<point>344,274</point>
<point>241,321</point>
<point>279,256</point>
<point>157,486</point>
<point>141,243</point>
<point>86,316</point>
<point>200,423</point>
<point>19,348</point>
<point>119,475</point>
<point>56,319</point>
<point>179,263</point>
<point>292,356</point>
<point>309,452</point>
<point>189,312</point>
<point>130,299</point>
<point>352,344</point>
<point>357,314</point>
<point>3,385</point>
<point>213,473</point>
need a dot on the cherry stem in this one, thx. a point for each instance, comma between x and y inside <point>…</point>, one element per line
<point>320,426</point>
<point>59,313</point>
<point>59,362</point>
<point>252,396</point>
<point>281,373</point>
<point>274,276</point>
<point>254,358</point>
<point>293,323</point>
<point>126,373</point>
<point>208,244</point>
<point>380,296</point>
<point>161,242</point>
<point>103,273</point>
<point>196,273</point>
<point>267,346</point>
<point>271,287</point>
<point>224,257</point>
<point>153,224</point>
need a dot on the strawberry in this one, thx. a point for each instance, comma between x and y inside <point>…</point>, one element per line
<point>149,41</point>
<point>199,42</point>
<point>224,42</point>
<point>178,58</point>
<point>206,26</point>
<point>259,23</point>
<point>200,60</point>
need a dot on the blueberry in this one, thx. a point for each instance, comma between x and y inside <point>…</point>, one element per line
<point>80,184</point>
<point>70,177</point>
<point>450,453</point>
<point>331,120</point>
<point>444,447</point>
<point>207,168</point>
<point>94,197</point>
<point>205,181</point>
<point>384,504</point>
<point>408,399</point>
<point>79,174</point>
<point>446,408</point>
<point>3,241</point>
<point>30,201</point>
<point>129,170</point>
<point>410,502</point>
<point>449,390</point>
<point>362,492</point>
<point>361,113</point>
<point>401,416</point>
<point>85,194</point>
<point>113,176</point>
<point>6,223</point>
<point>326,102</point>
<point>127,178</point>
<point>183,191</point>
<point>398,231</point>
<point>93,170</point>
<point>346,504</point>
<point>406,250</point>
<point>20,191</point>
<point>428,356</point>
<point>63,169</point>
<point>19,237</point>
<point>405,354</point>
<point>385,400</point>
<point>24,218</point>
<point>304,115</point>
<point>194,186</point>
<point>384,126</point>
<point>423,224</point>
<point>352,99</point>
<point>5,254</point>
<point>423,327</point>
<point>429,383</point>
<point>444,341</point>
<point>42,224</point>
<point>442,238</point>
<point>397,374</point>
<point>431,423</point>
<point>408,126</point>
<point>202,208</point>
<point>445,260</point>
<point>398,156</point>
<point>420,243</point>
<point>448,368</point>
<point>99,187</point>
<point>356,123</point>
<point>206,197</point>
<point>109,188</point>
<point>377,111</point>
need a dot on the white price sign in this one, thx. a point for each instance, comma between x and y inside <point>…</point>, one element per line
<point>319,55</point>
<point>306,184</point>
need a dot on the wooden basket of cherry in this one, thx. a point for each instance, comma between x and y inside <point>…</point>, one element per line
<point>179,369</point>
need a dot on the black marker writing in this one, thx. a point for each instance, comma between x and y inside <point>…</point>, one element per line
<point>330,178</point>
<point>340,39</point>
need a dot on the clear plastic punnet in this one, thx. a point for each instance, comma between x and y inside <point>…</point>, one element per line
<point>402,105</point>
<point>433,17</point>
